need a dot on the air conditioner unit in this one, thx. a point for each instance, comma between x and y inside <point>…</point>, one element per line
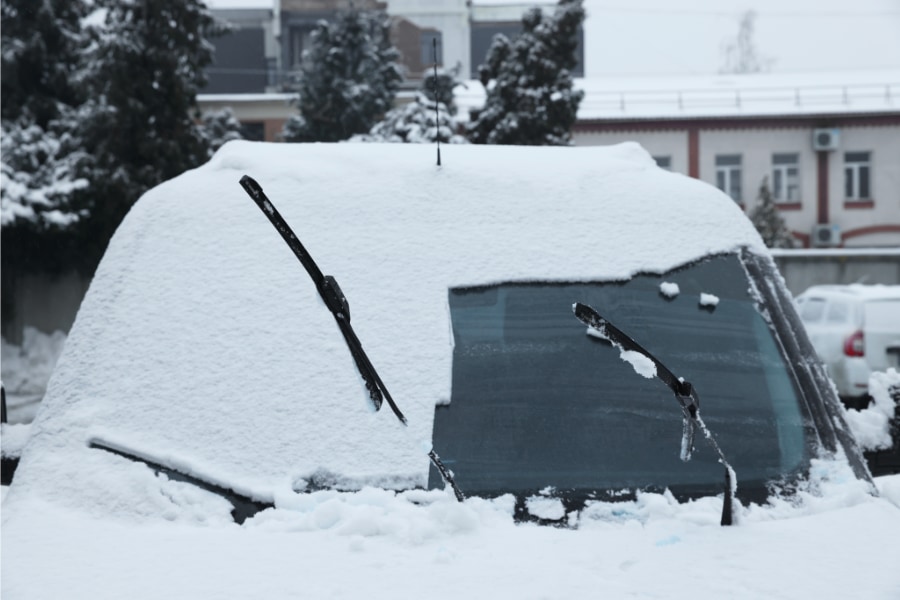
<point>826,139</point>
<point>826,235</point>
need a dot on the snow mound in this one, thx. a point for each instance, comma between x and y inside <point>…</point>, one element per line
<point>27,368</point>
<point>669,289</point>
<point>709,300</point>
<point>872,426</point>
<point>203,343</point>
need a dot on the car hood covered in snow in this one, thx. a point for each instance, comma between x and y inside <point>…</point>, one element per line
<point>204,345</point>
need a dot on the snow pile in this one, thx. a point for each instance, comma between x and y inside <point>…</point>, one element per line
<point>379,544</point>
<point>872,426</point>
<point>641,363</point>
<point>669,289</point>
<point>13,437</point>
<point>709,300</point>
<point>27,368</point>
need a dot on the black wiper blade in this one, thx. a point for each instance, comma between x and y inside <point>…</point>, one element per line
<point>684,392</point>
<point>244,507</point>
<point>337,303</point>
<point>331,295</point>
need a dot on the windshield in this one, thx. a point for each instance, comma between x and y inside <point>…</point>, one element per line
<point>538,402</point>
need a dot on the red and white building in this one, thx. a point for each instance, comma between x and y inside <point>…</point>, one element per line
<point>827,143</point>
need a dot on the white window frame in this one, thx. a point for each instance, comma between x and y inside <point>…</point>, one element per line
<point>786,177</point>
<point>857,169</point>
<point>728,175</point>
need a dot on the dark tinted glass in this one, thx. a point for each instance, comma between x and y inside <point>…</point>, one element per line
<point>537,402</point>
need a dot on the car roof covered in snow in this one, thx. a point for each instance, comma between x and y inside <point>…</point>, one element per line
<point>203,343</point>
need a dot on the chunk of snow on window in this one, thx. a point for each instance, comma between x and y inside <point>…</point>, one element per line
<point>872,427</point>
<point>641,364</point>
<point>669,289</point>
<point>709,300</point>
<point>546,508</point>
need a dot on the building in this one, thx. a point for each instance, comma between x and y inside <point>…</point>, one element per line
<point>258,59</point>
<point>827,144</point>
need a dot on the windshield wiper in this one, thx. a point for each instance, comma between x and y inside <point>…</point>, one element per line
<point>336,302</point>
<point>684,392</point>
<point>244,507</point>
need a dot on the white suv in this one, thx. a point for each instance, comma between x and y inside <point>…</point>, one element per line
<point>855,329</point>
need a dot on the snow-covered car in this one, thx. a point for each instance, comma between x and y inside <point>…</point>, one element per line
<point>855,329</point>
<point>571,335</point>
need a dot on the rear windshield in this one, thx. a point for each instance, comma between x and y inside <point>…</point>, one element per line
<point>811,310</point>
<point>537,402</point>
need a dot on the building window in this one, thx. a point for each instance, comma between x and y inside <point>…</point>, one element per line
<point>254,131</point>
<point>857,170</point>
<point>728,175</point>
<point>786,177</point>
<point>426,41</point>
<point>300,40</point>
<point>663,162</point>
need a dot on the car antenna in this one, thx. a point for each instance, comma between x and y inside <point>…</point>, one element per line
<point>437,114</point>
<point>337,303</point>
<point>684,393</point>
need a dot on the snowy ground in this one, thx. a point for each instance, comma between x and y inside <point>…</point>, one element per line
<point>374,544</point>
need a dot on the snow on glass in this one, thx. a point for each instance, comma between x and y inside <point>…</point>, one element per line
<point>669,289</point>
<point>709,300</point>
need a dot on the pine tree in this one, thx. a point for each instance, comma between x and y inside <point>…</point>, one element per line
<point>220,127</point>
<point>97,108</point>
<point>530,96</point>
<point>40,174</point>
<point>41,47</point>
<point>40,144</point>
<point>145,70</point>
<point>768,221</point>
<point>140,125</point>
<point>348,79</point>
<point>420,121</point>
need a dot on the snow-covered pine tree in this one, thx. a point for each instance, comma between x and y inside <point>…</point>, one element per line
<point>140,125</point>
<point>41,47</point>
<point>348,79</point>
<point>767,220</point>
<point>40,147</point>
<point>414,122</point>
<point>145,68</point>
<point>40,169</point>
<point>219,127</point>
<point>530,98</point>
